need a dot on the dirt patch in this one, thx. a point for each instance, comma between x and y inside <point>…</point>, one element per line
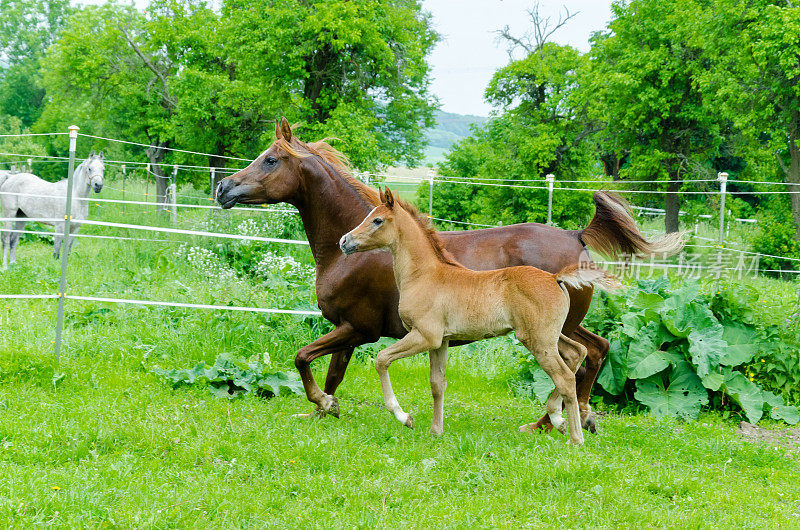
<point>789,438</point>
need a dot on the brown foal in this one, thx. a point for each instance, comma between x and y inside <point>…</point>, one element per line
<point>441,300</point>
<point>358,294</point>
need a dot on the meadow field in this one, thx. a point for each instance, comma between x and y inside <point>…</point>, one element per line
<point>98,440</point>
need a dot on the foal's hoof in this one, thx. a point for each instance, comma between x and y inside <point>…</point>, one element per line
<point>409,422</point>
<point>436,432</point>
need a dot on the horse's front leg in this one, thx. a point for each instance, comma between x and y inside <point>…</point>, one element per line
<point>413,343</point>
<point>58,238</point>
<point>342,338</point>
<point>6,237</point>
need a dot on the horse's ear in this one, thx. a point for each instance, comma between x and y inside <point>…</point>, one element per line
<point>286,131</point>
<point>91,154</point>
<point>277,129</point>
<point>389,198</point>
<point>381,195</point>
<point>100,154</point>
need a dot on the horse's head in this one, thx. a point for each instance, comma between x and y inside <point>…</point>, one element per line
<point>94,168</point>
<point>274,176</point>
<point>377,230</point>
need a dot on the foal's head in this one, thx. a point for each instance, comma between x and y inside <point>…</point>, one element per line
<point>378,230</point>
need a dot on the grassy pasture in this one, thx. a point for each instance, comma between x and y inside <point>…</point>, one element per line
<point>98,441</point>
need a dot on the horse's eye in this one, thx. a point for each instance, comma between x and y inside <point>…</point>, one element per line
<point>270,160</point>
<point>377,221</point>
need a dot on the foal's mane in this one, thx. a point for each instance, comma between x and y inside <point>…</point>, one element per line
<point>442,254</point>
<point>334,158</point>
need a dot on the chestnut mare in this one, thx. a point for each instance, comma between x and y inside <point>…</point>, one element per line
<point>441,300</point>
<point>358,293</point>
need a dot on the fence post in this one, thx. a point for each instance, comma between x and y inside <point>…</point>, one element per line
<point>30,165</point>
<point>123,187</point>
<point>62,285</point>
<point>723,186</point>
<point>212,180</point>
<point>146,181</point>
<point>430,192</point>
<point>550,178</point>
<point>174,189</point>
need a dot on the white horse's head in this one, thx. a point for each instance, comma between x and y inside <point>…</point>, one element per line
<point>94,168</point>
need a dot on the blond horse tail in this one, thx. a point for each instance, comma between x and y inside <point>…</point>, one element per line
<point>588,275</point>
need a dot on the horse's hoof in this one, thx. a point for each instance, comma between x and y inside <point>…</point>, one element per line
<point>333,407</point>
<point>436,432</point>
<point>590,423</point>
<point>409,422</point>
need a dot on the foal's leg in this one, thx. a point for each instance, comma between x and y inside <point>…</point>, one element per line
<point>438,358</point>
<point>411,344</point>
<point>344,336</point>
<point>597,349</point>
<point>552,363</point>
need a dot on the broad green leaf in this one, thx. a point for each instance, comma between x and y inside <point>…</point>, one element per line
<point>542,384</point>
<point>614,373</point>
<point>778,408</point>
<point>644,355</point>
<point>742,344</point>
<point>746,394</point>
<point>631,323</point>
<point>681,397</point>
<point>706,348</point>
<point>787,413</point>
<point>713,381</point>
<point>645,300</point>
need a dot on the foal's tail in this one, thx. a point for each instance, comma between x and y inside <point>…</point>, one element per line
<point>613,231</point>
<point>588,275</point>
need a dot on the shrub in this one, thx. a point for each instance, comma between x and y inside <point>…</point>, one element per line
<point>678,351</point>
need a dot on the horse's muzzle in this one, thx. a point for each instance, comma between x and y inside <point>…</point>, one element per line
<point>347,245</point>
<point>223,194</point>
<point>97,188</point>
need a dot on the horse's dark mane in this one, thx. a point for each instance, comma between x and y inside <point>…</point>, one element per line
<point>430,232</point>
<point>333,157</point>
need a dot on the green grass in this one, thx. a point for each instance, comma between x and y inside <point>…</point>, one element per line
<point>98,441</point>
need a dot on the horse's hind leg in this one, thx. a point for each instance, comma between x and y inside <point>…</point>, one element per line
<point>597,349</point>
<point>19,226</point>
<point>438,358</point>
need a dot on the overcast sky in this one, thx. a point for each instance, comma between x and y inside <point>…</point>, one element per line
<point>469,53</point>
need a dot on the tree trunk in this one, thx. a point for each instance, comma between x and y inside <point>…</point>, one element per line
<point>672,205</point>
<point>793,176</point>
<point>155,154</point>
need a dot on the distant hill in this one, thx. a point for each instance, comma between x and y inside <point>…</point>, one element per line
<point>448,130</point>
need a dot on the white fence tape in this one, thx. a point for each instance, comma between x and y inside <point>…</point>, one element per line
<point>163,304</point>
<point>161,229</point>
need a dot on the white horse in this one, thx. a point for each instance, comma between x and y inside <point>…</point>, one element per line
<point>25,195</point>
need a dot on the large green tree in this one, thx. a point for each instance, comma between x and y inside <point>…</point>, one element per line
<point>355,70</point>
<point>540,125</point>
<point>753,49</point>
<point>645,69</point>
<point>27,28</point>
